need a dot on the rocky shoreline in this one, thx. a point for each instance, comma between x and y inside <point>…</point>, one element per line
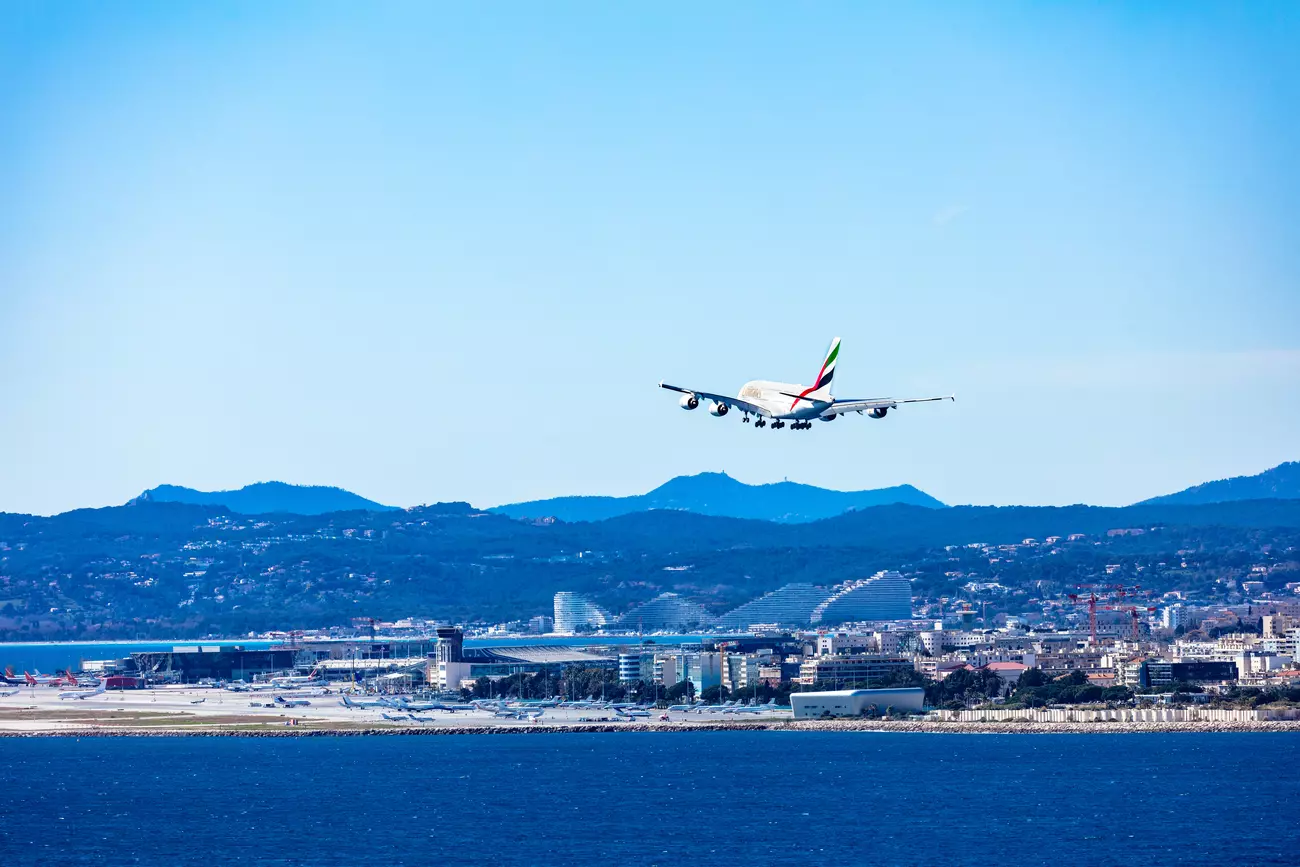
<point>878,726</point>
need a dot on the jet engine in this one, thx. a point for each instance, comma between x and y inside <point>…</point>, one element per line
<point>878,412</point>
<point>719,409</point>
<point>689,401</point>
<point>828,417</point>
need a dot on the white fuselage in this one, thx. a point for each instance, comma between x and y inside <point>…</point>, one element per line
<point>772,396</point>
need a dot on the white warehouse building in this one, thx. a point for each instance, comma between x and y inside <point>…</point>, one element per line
<point>853,702</point>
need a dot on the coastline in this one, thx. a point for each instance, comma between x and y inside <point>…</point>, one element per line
<point>861,726</point>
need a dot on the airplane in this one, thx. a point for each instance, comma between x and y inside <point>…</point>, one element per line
<point>348,702</point>
<point>395,717</point>
<point>516,713</point>
<point>419,719</point>
<point>48,679</point>
<point>631,712</point>
<point>715,708</point>
<point>291,702</point>
<point>5,693</point>
<point>404,703</point>
<point>198,701</point>
<point>756,708</point>
<point>797,405</point>
<point>83,693</point>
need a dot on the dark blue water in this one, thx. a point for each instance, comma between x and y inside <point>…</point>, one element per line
<point>722,798</point>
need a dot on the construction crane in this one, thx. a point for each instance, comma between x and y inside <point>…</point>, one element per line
<point>1111,594</point>
<point>1135,616</point>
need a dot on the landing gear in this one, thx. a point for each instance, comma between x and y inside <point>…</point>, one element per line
<point>745,419</point>
<point>777,425</point>
<point>760,423</point>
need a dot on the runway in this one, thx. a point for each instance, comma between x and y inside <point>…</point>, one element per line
<point>39,709</point>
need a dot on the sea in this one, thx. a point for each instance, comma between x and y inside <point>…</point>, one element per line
<point>733,798</point>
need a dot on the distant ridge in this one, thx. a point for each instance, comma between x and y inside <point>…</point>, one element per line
<point>1279,483</point>
<point>266,498</point>
<point>720,495</point>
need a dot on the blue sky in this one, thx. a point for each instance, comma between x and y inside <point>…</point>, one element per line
<point>429,252</point>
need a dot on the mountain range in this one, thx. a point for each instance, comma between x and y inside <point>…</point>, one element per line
<point>1280,483</point>
<point>263,498</point>
<point>720,495</point>
<point>714,494</point>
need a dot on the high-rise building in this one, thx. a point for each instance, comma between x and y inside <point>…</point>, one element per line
<point>1172,617</point>
<point>883,596</point>
<point>637,665</point>
<point>665,611</point>
<point>791,605</point>
<point>575,611</point>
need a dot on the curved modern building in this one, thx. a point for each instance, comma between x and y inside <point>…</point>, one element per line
<point>665,611</point>
<point>883,596</point>
<point>791,605</point>
<point>574,611</point>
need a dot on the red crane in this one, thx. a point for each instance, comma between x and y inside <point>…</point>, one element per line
<point>1109,593</point>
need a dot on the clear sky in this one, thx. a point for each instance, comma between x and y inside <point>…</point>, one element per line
<point>445,251</point>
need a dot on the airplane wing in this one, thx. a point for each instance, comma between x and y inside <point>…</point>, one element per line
<point>839,407</point>
<point>732,402</point>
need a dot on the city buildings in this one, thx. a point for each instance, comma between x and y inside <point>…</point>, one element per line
<point>867,668</point>
<point>636,665</point>
<point>665,611</point>
<point>575,611</point>
<point>791,605</point>
<point>884,596</point>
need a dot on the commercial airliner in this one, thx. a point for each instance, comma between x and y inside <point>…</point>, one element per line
<point>83,693</point>
<point>779,403</point>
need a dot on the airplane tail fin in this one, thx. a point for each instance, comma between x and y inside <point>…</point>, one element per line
<point>31,681</point>
<point>821,389</point>
<point>72,678</point>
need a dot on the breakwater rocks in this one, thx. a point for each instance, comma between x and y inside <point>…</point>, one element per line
<point>1018,727</point>
<point>913,726</point>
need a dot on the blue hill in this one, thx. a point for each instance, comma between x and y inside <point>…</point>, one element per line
<point>267,498</point>
<point>720,495</point>
<point>1280,483</point>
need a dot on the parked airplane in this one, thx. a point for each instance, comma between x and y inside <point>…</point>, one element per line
<point>198,701</point>
<point>404,703</point>
<point>298,680</point>
<point>83,693</point>
<point>357,705</point>
<point>798,404</point>
<point>395,717</point>
<point>291,702</point>
<point>49,679</point>
<point>631,712</point>
<point>5,693</point>
<point>419,719</point>
<point>770,707</point>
